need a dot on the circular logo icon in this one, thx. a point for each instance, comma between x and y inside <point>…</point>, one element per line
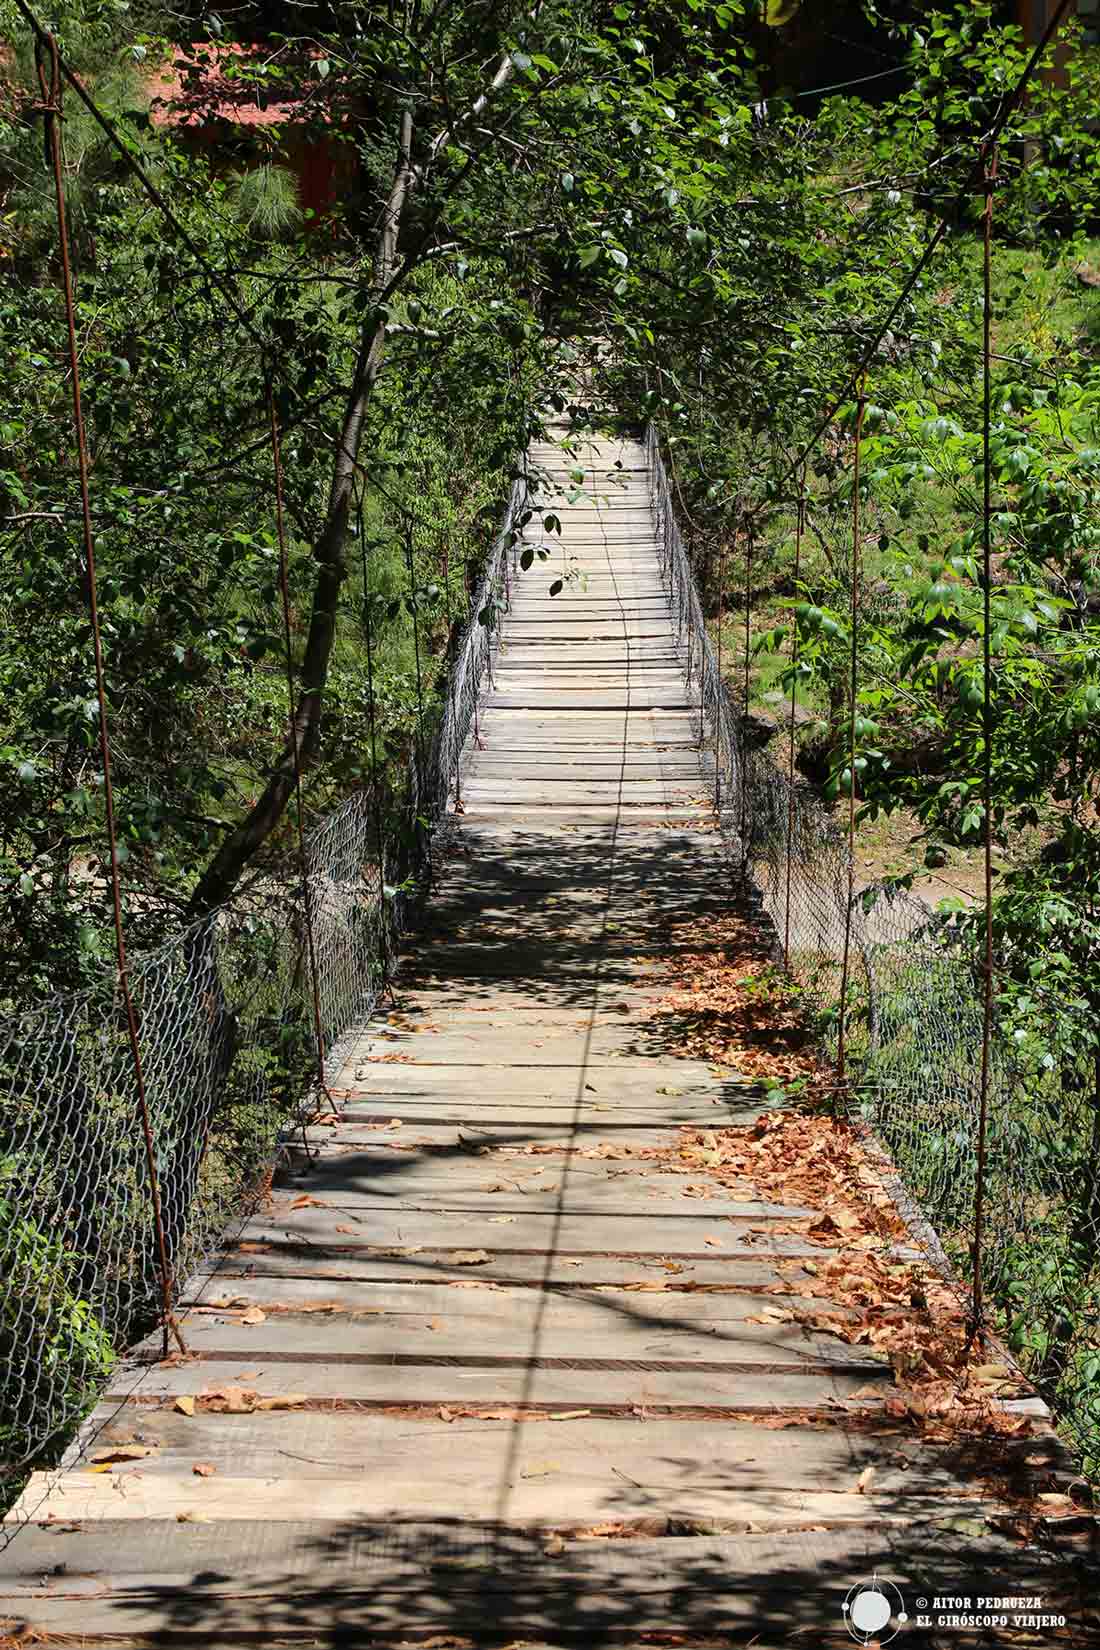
<point>874,1611</point>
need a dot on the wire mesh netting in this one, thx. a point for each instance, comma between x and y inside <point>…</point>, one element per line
<point>913,1032</point>
<point>226,1032</point>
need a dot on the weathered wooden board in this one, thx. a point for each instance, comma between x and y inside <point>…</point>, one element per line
<point>648,1301</point>
<point>758,1386</point>
<point>294,1581</point>
<point>536,1500</point>
<point>662,1455</point>
<point>347,1261</point>
<point>568,1333</point>
<point>587,1234</point>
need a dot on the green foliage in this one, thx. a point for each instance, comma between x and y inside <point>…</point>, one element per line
<point>46,1325</point>
<point>615,175</point>
<point>265,199</point>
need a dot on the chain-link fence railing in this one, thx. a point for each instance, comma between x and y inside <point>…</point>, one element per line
<point>226,1017</point>
<point>913,1031</point>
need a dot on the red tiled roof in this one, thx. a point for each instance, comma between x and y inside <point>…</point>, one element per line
<point>200,86</point>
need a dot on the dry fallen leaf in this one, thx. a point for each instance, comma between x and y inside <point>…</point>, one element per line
<point>864,1481</point>
<point>304,1201</point>
<point>204,1469</point>
<point>121,1452</point>
<point>713,1242</point>
<point>192,1518</point>
<point>468,1257</point>
<point>185,1404</point>
<point>255,1314</point>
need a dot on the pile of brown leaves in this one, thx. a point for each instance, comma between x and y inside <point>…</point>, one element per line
<point>808,1159</point>
<point>729,1004</point>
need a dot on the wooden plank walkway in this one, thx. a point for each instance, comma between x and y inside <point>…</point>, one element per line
<point>429,1396</point>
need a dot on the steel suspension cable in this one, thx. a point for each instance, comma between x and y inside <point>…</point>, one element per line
<point>46,47</point>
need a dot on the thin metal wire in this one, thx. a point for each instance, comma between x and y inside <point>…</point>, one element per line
<point>853,687</point>
<point>51,106</point>
<point>292,731</point>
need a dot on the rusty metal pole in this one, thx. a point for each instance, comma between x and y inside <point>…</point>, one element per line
<point>51,109</point>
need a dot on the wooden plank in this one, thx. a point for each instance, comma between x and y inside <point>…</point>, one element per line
<point>455,1230</point>
<point>293,1581</point>
<point>346,1261</point>
<point>474,1298</point>
<point>617,791</point>
<point>611,1456</point>
<point>539,1502</point>
<point>391,1098</point>
<point>579,1342</point>
<point>373,1133</point>
<point>375,1192</point>
<point>733,1389</point>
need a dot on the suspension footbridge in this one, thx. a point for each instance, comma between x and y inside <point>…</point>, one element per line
<point>488,1364</point>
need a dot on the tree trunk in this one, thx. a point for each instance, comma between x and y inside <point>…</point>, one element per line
<point>330,555</point>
